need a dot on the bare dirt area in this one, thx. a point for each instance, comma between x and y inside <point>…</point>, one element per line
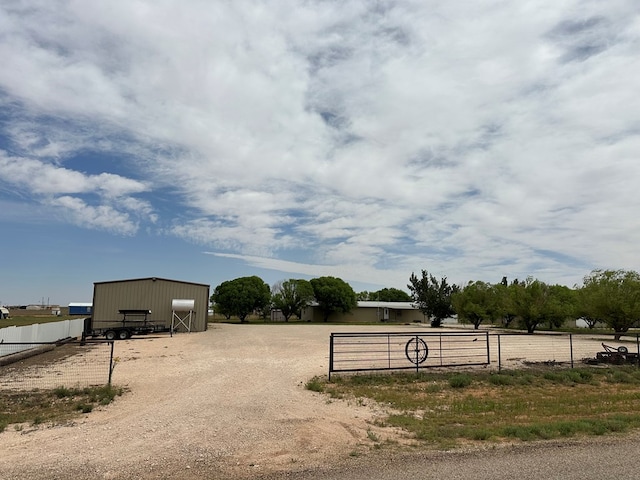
<point>228,403</point>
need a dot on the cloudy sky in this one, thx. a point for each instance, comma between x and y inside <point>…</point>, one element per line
<point>203,140</point>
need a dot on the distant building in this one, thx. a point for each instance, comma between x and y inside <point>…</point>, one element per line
<point>157,295</point>
<point>370,312</point>
<point>4,313</point>
<point>80,308</point>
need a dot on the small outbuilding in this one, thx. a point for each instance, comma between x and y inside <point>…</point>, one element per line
<point>78,308</point>
<point>4,313</point>
<point>170,302</point>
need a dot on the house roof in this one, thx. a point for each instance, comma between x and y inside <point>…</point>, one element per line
<point>150,278</point>
<point>390,305</point>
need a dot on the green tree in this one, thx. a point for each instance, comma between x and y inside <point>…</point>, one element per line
<point>528,298</point>
<point>584,307</point>
<point>292,296</point>
<point>384,295</point>
<point>432,296</point>
<point>475,303</point>
<point>504,301</point>
<point>333,295</point>
<point>559,305</point>
<point>612,296</point>
<point>390,295</point>
<point>534,302</point>
<point>363,296</point>
<point>241,296</point>
<point>223,309</point>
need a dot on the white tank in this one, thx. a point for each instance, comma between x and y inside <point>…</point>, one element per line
<point>182,305</point>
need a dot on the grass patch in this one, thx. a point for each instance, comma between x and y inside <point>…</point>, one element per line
<point>315,385</point>
<point>52,406</point>
<point>448,409</point>
<point>460,381</point>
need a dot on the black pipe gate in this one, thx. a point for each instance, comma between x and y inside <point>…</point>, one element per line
<point>357,352</point>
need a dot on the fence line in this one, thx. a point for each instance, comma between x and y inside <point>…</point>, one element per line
<point>354,352</point>
<point>71,364</point>
<point>39,333</point>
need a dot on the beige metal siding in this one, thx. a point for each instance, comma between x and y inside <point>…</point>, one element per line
<point>154,294</point>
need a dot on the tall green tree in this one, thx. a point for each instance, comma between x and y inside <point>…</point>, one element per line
<point>475,303</point>
<point>533,302</point>
<point>432,296</point>
<point>584,307</point>
<point>390,295</point>
<point>559,306</point>
<point>292,296</point>
<point>333,295</point>
<point>241,296</point>
<point>612,296</point>
<point>504,301</point>
<point>384,295</point>
<point>528,298</point>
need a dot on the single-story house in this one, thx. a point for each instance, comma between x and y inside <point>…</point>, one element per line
<point>370,312</point>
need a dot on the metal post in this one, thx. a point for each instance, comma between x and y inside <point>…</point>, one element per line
<point>330,355</point>
<point>571,347</point>
<point>417,358</point>
<point>389,350</point>
<point>638,347</point>
<point>488,349</point>
<point>499,354</point>
<point>111,365</point>
<point>440,338</point>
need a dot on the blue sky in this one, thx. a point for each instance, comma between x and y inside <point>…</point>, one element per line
<point>207,140</point>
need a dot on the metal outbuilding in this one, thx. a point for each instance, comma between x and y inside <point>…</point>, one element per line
<point>155,294</point>
<point>80,308</point>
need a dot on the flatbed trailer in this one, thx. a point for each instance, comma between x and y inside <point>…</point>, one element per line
<point>133,322</point>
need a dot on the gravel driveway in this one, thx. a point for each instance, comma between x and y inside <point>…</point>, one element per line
<point>228,403</point>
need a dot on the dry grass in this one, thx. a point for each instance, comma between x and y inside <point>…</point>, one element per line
<point>446,409</point>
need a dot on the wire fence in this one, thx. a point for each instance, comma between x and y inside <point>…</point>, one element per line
<point>41,366</point>
<point>357,352</point>
<point>511,350</point>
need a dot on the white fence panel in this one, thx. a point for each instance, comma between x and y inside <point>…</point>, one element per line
<point>39,333</point>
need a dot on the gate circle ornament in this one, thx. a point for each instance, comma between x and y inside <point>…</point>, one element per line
<point>416,350</point>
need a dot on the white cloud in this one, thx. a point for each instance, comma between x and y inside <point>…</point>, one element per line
<point>101,217</point>
<point>51,186</point>
<point>475,140</point>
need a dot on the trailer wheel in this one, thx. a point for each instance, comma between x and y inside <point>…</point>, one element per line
<point>110,335</point>
<point>123,334</point>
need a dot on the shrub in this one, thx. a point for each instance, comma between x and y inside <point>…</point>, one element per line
<point>461,380</point>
